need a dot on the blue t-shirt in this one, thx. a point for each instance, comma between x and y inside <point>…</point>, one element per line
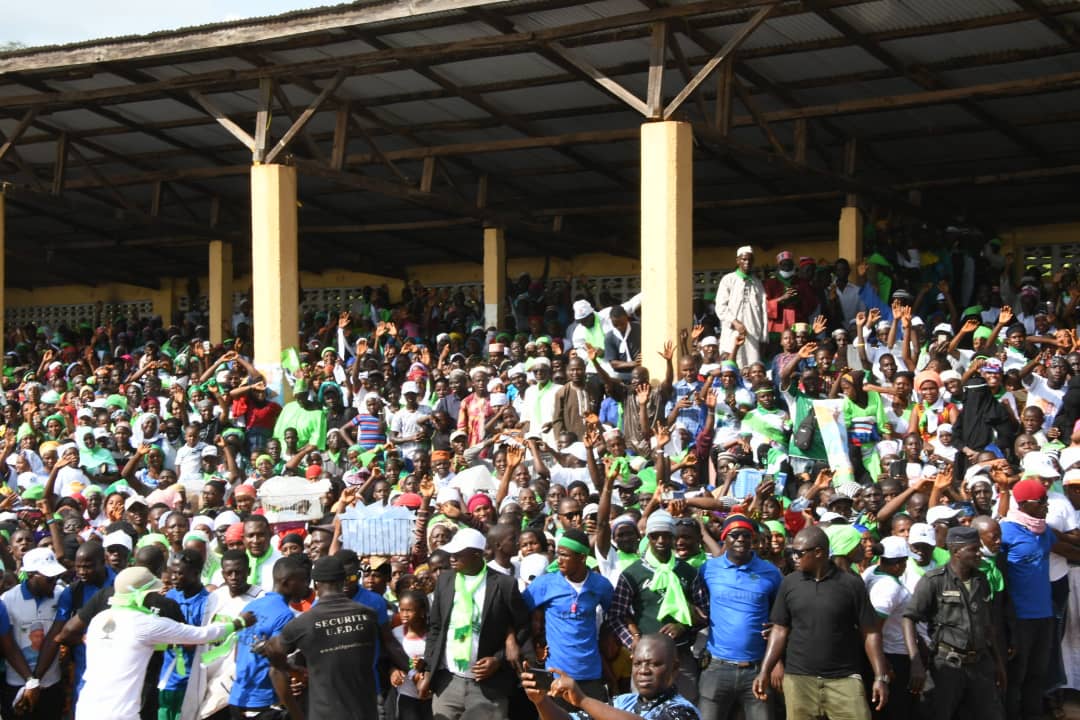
<point>192,610</point>
<point>65,609</point>
<point>571,622</point>
<point>740,597</point>
<point>1027,570</point>
<point>374,601</point>
<point>252,687</point>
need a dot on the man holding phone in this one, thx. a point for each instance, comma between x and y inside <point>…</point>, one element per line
<point>567,603</point>
<point>657,698</point>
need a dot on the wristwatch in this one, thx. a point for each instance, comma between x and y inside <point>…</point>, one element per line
<point>882,678</point>
<point>32,683</point>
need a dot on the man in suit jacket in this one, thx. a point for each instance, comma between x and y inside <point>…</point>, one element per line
<point>476,615</point>
<point>575,400</point>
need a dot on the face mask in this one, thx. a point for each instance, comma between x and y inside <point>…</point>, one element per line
<point>985,551</point>
<point>786,274</point>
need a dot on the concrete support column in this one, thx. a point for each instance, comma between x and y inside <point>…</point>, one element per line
<point>3,286</point>
<point>667,238</point>
<point>275,277</point>
<point>494,276</point>
<point>219,290</point>
<point>851,234</point>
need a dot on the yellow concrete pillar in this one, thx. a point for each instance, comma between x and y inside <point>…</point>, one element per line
<point>667,237</point>
<point>494,276</point>
<point>3,308</point>
<point>275,277</point>
<point>163,302</point>
<point>851,231</point>
<point>219,290</point>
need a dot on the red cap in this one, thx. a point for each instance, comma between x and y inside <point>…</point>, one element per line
<point>1027,490</point>
<point>235,533</point>
<point>478,500</point>
<point>409,500</point>
<point>313,472</point>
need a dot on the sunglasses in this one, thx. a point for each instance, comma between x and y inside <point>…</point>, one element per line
<point>574,514</point>
<point>739,535</point>
<point>799,553</point>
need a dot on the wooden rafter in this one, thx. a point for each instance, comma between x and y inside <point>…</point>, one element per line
<point>726,51</point>
<point>235,130</point>
<point>310,110</point>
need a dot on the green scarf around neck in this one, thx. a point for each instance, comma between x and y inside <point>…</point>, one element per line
<point>464,621</point>
<point>665,583</point>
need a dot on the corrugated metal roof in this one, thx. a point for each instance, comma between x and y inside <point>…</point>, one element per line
<point>896,14</point>
<point>937,48</point>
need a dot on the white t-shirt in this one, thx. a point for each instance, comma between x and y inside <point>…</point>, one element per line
<point>889,597</point>
<point>1061,516</point>
<point>30,621</point>
<point>405,424</point>
<point>1044,397</point>
<point>119,644</point>
<point>414,648</point>
<point>218,676</point>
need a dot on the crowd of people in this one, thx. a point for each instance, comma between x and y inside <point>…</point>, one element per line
<point>845,497</point>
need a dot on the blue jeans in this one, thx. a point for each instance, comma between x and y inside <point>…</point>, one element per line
<point>725,686</point>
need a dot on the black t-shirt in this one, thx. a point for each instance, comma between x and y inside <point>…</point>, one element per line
<point>825,620</point>
<point>339,640</point>
<point>163,606</point>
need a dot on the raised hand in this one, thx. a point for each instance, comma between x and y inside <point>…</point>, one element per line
<point>970,325</point>
<point>1006,315</point>
<point>807,350</point>
<point>361,347</point>
<point>697,331</point>
<point>515,454</point>
<point>820,324</point>
<point>873,316</point>
<point>661,433</point>
<point>642,393</point>
<point>669,350</point>
<point>860,319</point>
<point>344,319</point>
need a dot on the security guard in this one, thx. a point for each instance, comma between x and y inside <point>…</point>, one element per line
<point>964,665</point>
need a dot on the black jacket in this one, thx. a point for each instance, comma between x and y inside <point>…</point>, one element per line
<point>504,609</point>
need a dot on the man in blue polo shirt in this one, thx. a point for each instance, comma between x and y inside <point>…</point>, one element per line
<point>568,601</point>
<point>736,592</point>
<point>1027,542</point>
<point>253,691</point>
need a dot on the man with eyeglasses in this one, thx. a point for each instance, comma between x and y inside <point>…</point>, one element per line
<point>823,618</point>
<point>735,591</point>
<point>653,596</point>
<point>568,515</point>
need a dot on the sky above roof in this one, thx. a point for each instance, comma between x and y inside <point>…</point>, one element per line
<point>58,22</point>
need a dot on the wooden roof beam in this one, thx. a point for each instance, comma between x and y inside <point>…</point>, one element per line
<point>725,52</point>
<point>233,129</point>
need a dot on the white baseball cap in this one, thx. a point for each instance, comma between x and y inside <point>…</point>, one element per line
<point>939,513</point>
<point>135,500</point>
<point>582,309</point>
<point>117,537</point>
<point>43,562</point>
<point>922,533</point>
<point>894,548</point>
<point>466,539</point>
<point>409,387</point>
